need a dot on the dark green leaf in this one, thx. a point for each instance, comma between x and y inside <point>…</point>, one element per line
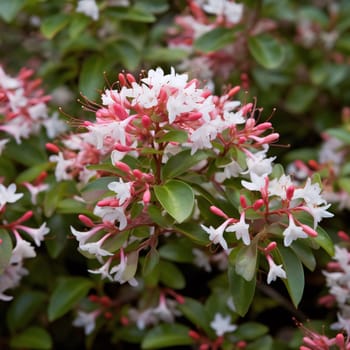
<point>10,8</point>
<point>24,308</point>
<point>127,53</point>
<point>133,14</point>
<point>216,39</point>
<point>32,173</point>
<point>266,50</point>
<point>299,98</point>
<point>264,343</point>
<point>174,136</point>
<point>177,198</point>
<point>304,253</point>
<point>53,24</point>
<point>151,261</point>
<point>94,190</point>
<point>242,291</point>
<point>78,25</point>
<point>5,249</point>
<point>67,293</point>
<point>32,338</point>
<point>179,251</point>
<point>295,274</point>
<point>181,162</point>
<point>194,232</point>
<point>166,335</point>
<point>171,275</point>
<point>251,330</point>
<point>245,262</point>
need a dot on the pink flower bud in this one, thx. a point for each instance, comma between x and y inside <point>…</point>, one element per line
<point>258,204</point>
<point>122,80</point>
<point>247,108</point>
<point>123,167</point>
<point>122,148</point>
<point>138,174</point>
<point>264,126</point>
<point>290,192</point>
<point>243,201</point>
<point>52,148</point>
<point>146,196</point>
<point>146,121</point>
<point>131,79</point>
<point>120,112</point>
<point>215,210</point>
<point>309,231</point>
<point>194,335</point>
<point>343,236</point>
<point>270,247</point>
<point>86,220</point>
<point>233,91</point>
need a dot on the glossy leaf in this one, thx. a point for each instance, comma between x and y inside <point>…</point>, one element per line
<point>177,198</point>
<point>24,308</point>
<point>10,9</point>
<point>295,274</point>
<point>5,249</point>
<point>166,335</point>
<point>179,251</point>
<point>241,290</point>
<point>245,262</point>
<point>305,254</point>
<point>171,275</point>
<point>299,98</point>
<point>67,293</point>
<point>194,232</point>
<point>215,39</point>
<point>174,136</point>
<point>181,162</point>
<point>150,263</point>
<point>251,330</point>
<point>266,50</point>
<point>264,343</point>
<point>51,25</point>
<point>133,14</point>
<point>32,338</point>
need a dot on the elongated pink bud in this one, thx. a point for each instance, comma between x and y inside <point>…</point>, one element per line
<point>309,231</point>
<point>122,80</point>
<point>131,79</point>
<point>234,91</point>
<point>343,236</point>
<point>122,166</point>
<point>52,148</point>
<point>122,148</point>
<point>86,220</point>
<point>290,192</point>
<point>146,121</point>
<point>146,196</point>
<point>243,201</point>
<point>258,204</point>
<point>271,246</point>
<point>138,174</point>
<point>215,210</point>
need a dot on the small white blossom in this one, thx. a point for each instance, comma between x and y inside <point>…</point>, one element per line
<point>274,271</point>
<point>88,8</point>
<point>86,320</point>
<point>222,324</point>
<point>122,189</point>
<point>8,195</point>
<point>241,228</point>
<point>216,235</point>
<point>292,232</point>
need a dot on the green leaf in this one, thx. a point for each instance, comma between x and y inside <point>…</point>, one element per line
<point>32,173</point>
<point>299,98</point>
<point>171,275</point>
<point>67,293</point>
<point>194,232</point>
<point>91,78</point>
<point>295,274</point>
<point>151,261</point>
<point>324,241</point>
<point>166,335</point>
<point>245,262</point>
<point>52,25</point>
<point>266,50</point>
<point>32,338</point>
<point>241,290</point>
<point>181,162</point>
<point>78,24</point>
<point>133,14</point>
<point>251,330</point>
<point>216,39</point>
<point>344,183</point>
<point>163,54</point>
<point>24,308</point>
<point>5,249</point>
<point>127,53</point>
<point>179,251</point>
<point>94,190</point>
<point>196,313</point>
<point>158,217</point>
<point>10,8</point>
<point>177,198</point>
<point>304,253</point>
<point>340,134</point>
<point>174,136</point>
<point>264,343</point>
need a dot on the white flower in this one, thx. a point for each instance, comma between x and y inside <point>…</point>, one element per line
<point>311,194</point>
<point>278,187</point>
<point>318,213</point>
<point>112,214</point>
<point>8,195</point>
<point>36,233</point>
<point>292,232</point>
<point>54,126</point>
<point>274,271</point>
<point>2,145</point>
<point>103,270</point>
<point>241,228</point>
<point>201,259</point>
<point>35,190</point>
<point>86,320</point>
<point>259,164</point>
<point>95,247</point>
<point>122,190</point>
<point>222,324</point>
<point>257,182</point>
<point>8,82</point>
<point>62,166</point>
<point>163,312</point>
<point>125,270</point>
<point>232,11</point>
<point>22,250</point>
<point>88,8</point>
<point>216,235</point>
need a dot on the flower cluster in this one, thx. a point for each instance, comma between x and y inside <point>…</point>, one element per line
<point>204,17</point>
<point>23,108</point>
<point>11,268</point>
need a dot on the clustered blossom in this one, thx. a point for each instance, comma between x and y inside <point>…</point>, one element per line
<point>132,122</point>
<point>14,270</point>
<point>23,107</point>
<point>338,281</point>
<point>206,15</point>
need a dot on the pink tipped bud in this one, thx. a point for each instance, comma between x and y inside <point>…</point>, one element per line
<point>102,113</point>
<point>309,231</point>
<point>233,91</point>
<point>122,80</point>
<point>123,167</point>
<point>243,201</point>
<point>124,320</point>
<point>204,347</point>
<point>215,210</point>
<point>163,95</point>
<point>146,198</point>
<point>343,236</point>
<point>340,340</point>
<point>194,335</point>
<point>270,247</point>
<point>314,164</point>
<point>120,112</point>
<point>52,148</point>
<point>290,192</point>
<point>271,138</point>
<point>104,203</point>
<point>247,108</point>
<point>148,177</point>
<point>194,116</point>
<point>131,79</point>
<point>122,148</point>
<point>327,300</point>
<point>26,216</point>
<point>0,241</point>
<point>86,123</point>
<point>264,126</point>
<point>250,123</point>
<point>86,220</point>
<point>146,121</point>
<point>258,204</point>
<point>241,344</point>
<point>242,140</point>
<point>138,174</point>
